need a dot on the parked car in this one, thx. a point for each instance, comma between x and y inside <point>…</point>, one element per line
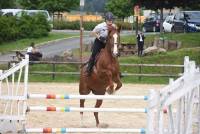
<point>152,23</point>
<point>192,19</point>
<point>34,12</point>
<point>10,12</point>
<point>185,21</point>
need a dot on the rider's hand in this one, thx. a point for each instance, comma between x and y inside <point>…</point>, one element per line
<point>102,39</point>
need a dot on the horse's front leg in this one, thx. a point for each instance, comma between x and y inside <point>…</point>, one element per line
<point>98,104</point>
<point>110,89</point>
<point>118,82</point>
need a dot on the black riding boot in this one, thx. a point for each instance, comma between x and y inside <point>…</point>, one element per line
<point>90,66</point>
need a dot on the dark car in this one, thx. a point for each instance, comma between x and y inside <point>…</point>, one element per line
<point>152,23</point>
<point>186,21</point>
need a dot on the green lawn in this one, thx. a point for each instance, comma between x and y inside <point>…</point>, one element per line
<point>24,43</point>
<point>187,39</point>
<point>190,47</point>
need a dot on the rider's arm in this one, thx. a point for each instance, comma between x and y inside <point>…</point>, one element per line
<point>94,34</point>
<point>95,31</point>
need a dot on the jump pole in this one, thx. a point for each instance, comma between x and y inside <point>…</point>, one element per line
<point>104,97</point>
<point>84,130</point>
<point>76,109</point>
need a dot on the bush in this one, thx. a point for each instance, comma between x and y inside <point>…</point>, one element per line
<point>75,25</point>
<point>12,28</point>
<point>33,26</point>
<point>8,28</point>
<point>124,25</point>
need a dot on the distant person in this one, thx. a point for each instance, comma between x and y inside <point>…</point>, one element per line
<point>34,54</point>
<point>31,48</point>
<point>19,56</point>
<point>140,43</point>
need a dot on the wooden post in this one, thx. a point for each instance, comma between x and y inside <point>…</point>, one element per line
<point>140,72</point>
<point>9,65</point>
<point>53,70</point>
<point>82,3</point>
<point>81,38</point>
<point>136,27</point>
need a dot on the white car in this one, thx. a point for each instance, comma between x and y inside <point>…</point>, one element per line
<point>34,12</point>
<point>168,23</point>
<point>10,12</point>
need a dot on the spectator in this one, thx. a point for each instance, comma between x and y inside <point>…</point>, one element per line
<point>33,53</point>
<point>140,43</point>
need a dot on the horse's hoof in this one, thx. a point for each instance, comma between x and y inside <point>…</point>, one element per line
<point>103,125</point>
<point>109,91</point>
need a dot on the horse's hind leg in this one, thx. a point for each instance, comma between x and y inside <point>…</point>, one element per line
<point>83,90</point>
<point>82,101</point>
<point>98,104</point>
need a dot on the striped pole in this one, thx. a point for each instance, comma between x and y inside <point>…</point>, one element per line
<point>85,130</point>
<point>75,109</point>
<point>104,97</point>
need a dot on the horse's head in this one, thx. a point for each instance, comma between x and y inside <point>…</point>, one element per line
<point>113,40</point>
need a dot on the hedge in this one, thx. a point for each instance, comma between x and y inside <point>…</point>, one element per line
<point>13,28</point>
<point>75,25</point>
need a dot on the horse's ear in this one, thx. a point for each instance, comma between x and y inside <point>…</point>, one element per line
<point>119,28</point>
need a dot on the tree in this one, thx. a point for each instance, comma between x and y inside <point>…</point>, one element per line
<point>59,5</point>
<point>167,4</point>
<point>50,5</point>
<point>120,8</point>
<point>30,4</point>
<point>92,6</point>
<point>7,4</point>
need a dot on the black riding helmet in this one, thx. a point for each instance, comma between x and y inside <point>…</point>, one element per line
<point>109,16</point>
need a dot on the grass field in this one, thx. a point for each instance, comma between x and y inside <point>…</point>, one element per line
<point>24,43</point>
<point>190,47</point>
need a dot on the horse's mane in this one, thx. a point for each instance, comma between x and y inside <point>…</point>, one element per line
<point>114,28</point>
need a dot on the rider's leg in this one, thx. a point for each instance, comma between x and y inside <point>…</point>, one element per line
<point>96,49</point>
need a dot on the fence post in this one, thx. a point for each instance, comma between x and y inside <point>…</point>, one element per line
<point>153,103</point>
<point>53,70</point>
<point>9,65</point>
<point>140,71</point>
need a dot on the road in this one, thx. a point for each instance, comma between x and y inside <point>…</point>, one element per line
<point>52,48</point>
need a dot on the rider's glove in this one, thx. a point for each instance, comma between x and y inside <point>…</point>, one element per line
<point>102,39</point>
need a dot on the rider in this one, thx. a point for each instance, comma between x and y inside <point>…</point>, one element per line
<point>101,33</point>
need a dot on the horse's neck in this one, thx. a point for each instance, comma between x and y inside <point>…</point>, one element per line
<point>108,51</point>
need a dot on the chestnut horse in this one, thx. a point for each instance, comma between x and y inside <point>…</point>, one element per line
<point>105,72</point>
